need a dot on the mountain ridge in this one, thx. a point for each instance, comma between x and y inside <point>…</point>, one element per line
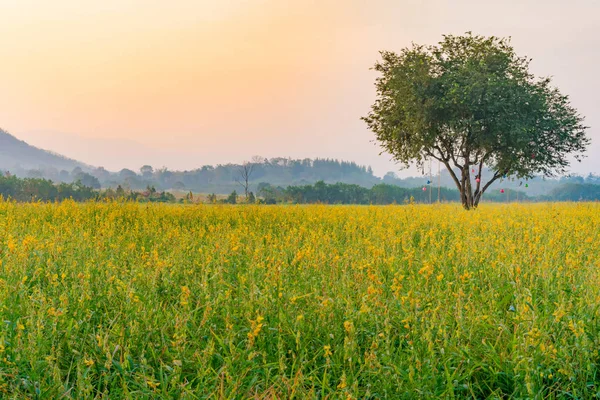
<point>18,154</point>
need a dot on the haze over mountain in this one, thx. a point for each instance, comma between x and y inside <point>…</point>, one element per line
<point>17,154</point>
<point>24,160</point>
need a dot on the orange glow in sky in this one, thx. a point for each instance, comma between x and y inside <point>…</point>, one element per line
<point>185,83</point>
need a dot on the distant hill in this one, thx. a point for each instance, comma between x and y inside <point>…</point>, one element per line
<point>15,154</point>
<point>24,160</point>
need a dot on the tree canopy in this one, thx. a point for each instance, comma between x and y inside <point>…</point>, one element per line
<point>470,102</point>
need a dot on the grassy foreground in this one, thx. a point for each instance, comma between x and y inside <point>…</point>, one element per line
<point>156,301</point>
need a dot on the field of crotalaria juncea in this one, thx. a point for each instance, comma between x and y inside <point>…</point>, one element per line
<point>118,300</point>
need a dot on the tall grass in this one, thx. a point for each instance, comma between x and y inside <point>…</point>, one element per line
<point>123,300</point>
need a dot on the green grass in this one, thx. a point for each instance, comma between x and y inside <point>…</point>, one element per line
<point>164,301</point>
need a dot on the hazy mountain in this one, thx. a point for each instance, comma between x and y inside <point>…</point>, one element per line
<point>24,160</point>
<point>16,154</point>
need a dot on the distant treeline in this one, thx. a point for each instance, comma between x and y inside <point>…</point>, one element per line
<point>222,178</point>
<point>282,172</point>
<point>341,193</point>
<point>36,189</point>
<point>32,189</point>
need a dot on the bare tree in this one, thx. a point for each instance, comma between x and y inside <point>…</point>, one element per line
<point>245,172</point>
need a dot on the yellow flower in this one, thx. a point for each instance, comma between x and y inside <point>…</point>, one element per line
<point>185,295</point>
<point>426,271</point>
<point>343,382</point>
<point>153,385</point>
<point>348,326</point>
<point>256,327</point>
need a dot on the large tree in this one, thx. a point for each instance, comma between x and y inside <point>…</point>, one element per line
<point>470,102</point>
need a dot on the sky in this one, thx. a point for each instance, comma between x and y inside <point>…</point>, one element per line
<point>181,84</point>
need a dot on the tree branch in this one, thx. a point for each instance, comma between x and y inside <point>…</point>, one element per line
<point>456,162</point>
<point>440,158</point>
<point>452,174</point>
<point>497,175</point>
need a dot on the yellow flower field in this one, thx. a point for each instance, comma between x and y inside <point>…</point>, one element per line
<point>121,300</point>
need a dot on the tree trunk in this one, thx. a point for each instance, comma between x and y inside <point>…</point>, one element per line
<point>469,190</point>
<point>484,188</point>
<point>468,199</point>
<point>477,199</point>
<point>463,198</point>
<point>466,196</point>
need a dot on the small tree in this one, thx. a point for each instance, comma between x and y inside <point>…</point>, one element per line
<point>232,198</point>
<point>245,172</point>
<point>212,198</point>
<point>251,198</point>
<point>88,180</point>
<point>471,102</point>
<point>147,171</point>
